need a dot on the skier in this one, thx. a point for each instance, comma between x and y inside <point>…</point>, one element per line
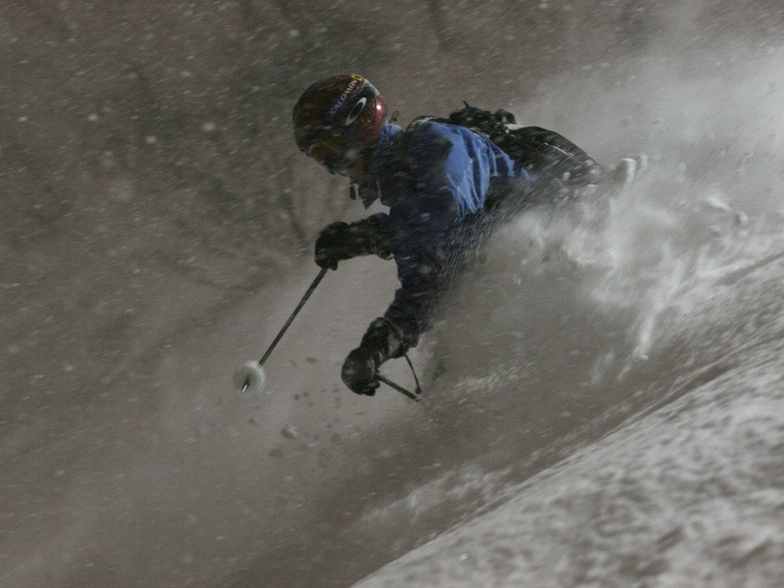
<point>438,181</point>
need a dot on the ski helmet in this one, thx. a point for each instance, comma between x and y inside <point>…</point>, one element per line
<point>336,113</point>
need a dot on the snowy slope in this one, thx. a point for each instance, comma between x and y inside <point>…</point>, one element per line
<point>690,495</point>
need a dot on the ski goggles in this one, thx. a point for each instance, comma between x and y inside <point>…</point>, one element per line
<point>330,148</point>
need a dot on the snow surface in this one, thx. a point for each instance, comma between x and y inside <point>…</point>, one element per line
<point>689,495</point>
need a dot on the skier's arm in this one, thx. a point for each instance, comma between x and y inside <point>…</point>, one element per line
<point>453,168</point>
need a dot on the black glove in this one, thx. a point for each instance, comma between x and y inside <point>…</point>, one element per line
<point>340,241</point>
<point>383,340</point>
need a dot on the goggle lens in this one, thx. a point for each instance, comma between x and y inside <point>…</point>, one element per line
<point>329,146</point>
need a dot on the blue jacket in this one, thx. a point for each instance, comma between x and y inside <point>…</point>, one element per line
<point>433,197</point>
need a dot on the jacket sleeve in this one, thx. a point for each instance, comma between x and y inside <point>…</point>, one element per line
<point>452,168</point>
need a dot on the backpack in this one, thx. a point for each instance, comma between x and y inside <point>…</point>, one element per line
<point>545,154</point>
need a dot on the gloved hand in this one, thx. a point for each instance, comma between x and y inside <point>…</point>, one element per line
<point>360,371</point>
<point>340,241</point>
<point>383,340</point>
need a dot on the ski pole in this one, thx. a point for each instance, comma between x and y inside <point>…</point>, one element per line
<point>397,387</point>
<point>302,302</point>
<point>252,375</point>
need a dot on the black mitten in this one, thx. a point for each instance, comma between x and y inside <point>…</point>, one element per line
<point>340,241</point>
<point>383,340</point>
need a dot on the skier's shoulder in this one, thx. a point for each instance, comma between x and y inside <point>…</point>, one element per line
<point>431,130</point>
<point>430,141</point>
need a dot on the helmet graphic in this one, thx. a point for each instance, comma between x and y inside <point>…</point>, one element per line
<point>335,114</point>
